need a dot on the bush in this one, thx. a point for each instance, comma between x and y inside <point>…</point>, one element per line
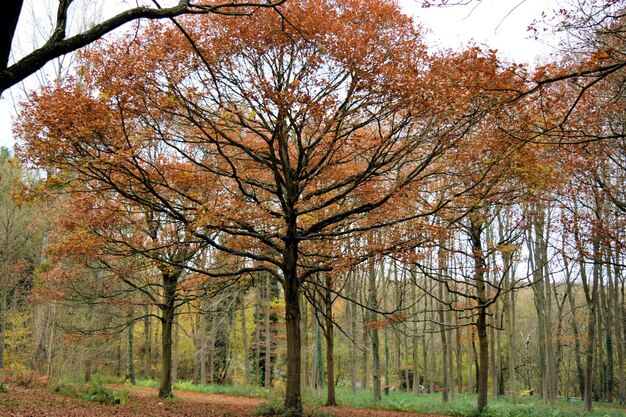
<point>101,394</point>
<point>269,409</point>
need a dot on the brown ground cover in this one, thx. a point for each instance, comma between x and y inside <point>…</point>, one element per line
<point>37,402</point>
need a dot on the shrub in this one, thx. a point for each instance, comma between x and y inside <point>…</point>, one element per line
<point>269,409</point>
<point>101,394</point>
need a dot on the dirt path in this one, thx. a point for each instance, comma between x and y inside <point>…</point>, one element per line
<point>23,402</point>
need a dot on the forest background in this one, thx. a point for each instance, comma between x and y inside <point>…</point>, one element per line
<point>261,199</point>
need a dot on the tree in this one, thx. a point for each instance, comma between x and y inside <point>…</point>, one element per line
<point>306,128</point>
<point>60,42</point>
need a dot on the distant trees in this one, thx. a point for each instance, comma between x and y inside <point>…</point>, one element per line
<point>20,240</point>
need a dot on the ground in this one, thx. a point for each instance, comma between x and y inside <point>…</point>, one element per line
<point>25,402</point>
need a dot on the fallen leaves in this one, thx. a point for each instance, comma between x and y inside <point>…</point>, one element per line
<point>24,402</point>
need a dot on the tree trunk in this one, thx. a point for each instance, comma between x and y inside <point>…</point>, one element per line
<point>444,344</point>
<point>147,345</point>
<point>267,378</point>
<point>373,329</point>
<point>88,370</point>
<point>167,321</point>
<point>591,294</point>
<point>509,310</point>
<point>131,351</point>
<point>330,344</point>
<point>176,337</point>
<point>293,400</point>
<point>351,313</point>
<point>476,227</point>
<point>416,368</point>
<point>244,338</point>
<point>618,329</point>
<point>8,24</point>
<point>3,319</point>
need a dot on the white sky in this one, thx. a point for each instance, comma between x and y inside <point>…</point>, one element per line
<point>495,24</point>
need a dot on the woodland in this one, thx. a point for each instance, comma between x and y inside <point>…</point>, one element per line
<point>303,198</point>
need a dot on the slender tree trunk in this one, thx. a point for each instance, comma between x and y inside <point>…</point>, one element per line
<point>509,312</point>
<point>88,369</point>
<point>350,312</point>
<point>131,349</point>
<point>493,354</point>
<point>367,343</point>
<point>3,319</point>
<point>147,345</point>
<point>268,335</point>
<point>257,334</point>
<point>416,368</point>
<point>373,305</point>
<point>330,343</point>
<point>618,328</point>
<point>476,227</point>
<point>444,346</point>
<point>459,356</point>
<point>176,337</point>
<point>244,338</point>
<point>591,293</point>
<point>318,369</point>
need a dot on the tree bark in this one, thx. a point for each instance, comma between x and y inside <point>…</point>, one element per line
<point>3,319</point>
<point>131,351</point>
<point>614,286</point>
<point>443,335</point>
<point>330,344</point>
<point>244,338</point>
<point>293,397</point>
<point>147,345</point>
<point>167,321</point>
<point>267,378</point>
<point>373,330</point>
<point>476,227</point>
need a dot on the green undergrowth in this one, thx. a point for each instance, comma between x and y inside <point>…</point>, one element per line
<point>238,390</point>
<point>94,391</point>
<point>463,406</point>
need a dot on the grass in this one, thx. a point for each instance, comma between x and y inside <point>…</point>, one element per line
<point>238,390</point>
<point>463,406</point>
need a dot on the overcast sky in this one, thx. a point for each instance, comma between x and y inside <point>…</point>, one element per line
<point>495,24</point>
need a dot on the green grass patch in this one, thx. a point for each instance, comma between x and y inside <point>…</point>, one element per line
<point>464,405</point>
<point>238,390</point>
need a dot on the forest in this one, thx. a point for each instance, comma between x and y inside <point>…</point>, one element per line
<point>304,200</point>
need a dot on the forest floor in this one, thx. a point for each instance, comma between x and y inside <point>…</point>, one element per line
<point>143,401</point>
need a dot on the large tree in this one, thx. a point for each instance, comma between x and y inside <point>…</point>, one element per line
<point>277,137</point>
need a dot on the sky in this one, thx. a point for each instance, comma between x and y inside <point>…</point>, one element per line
<point>494,24</point>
